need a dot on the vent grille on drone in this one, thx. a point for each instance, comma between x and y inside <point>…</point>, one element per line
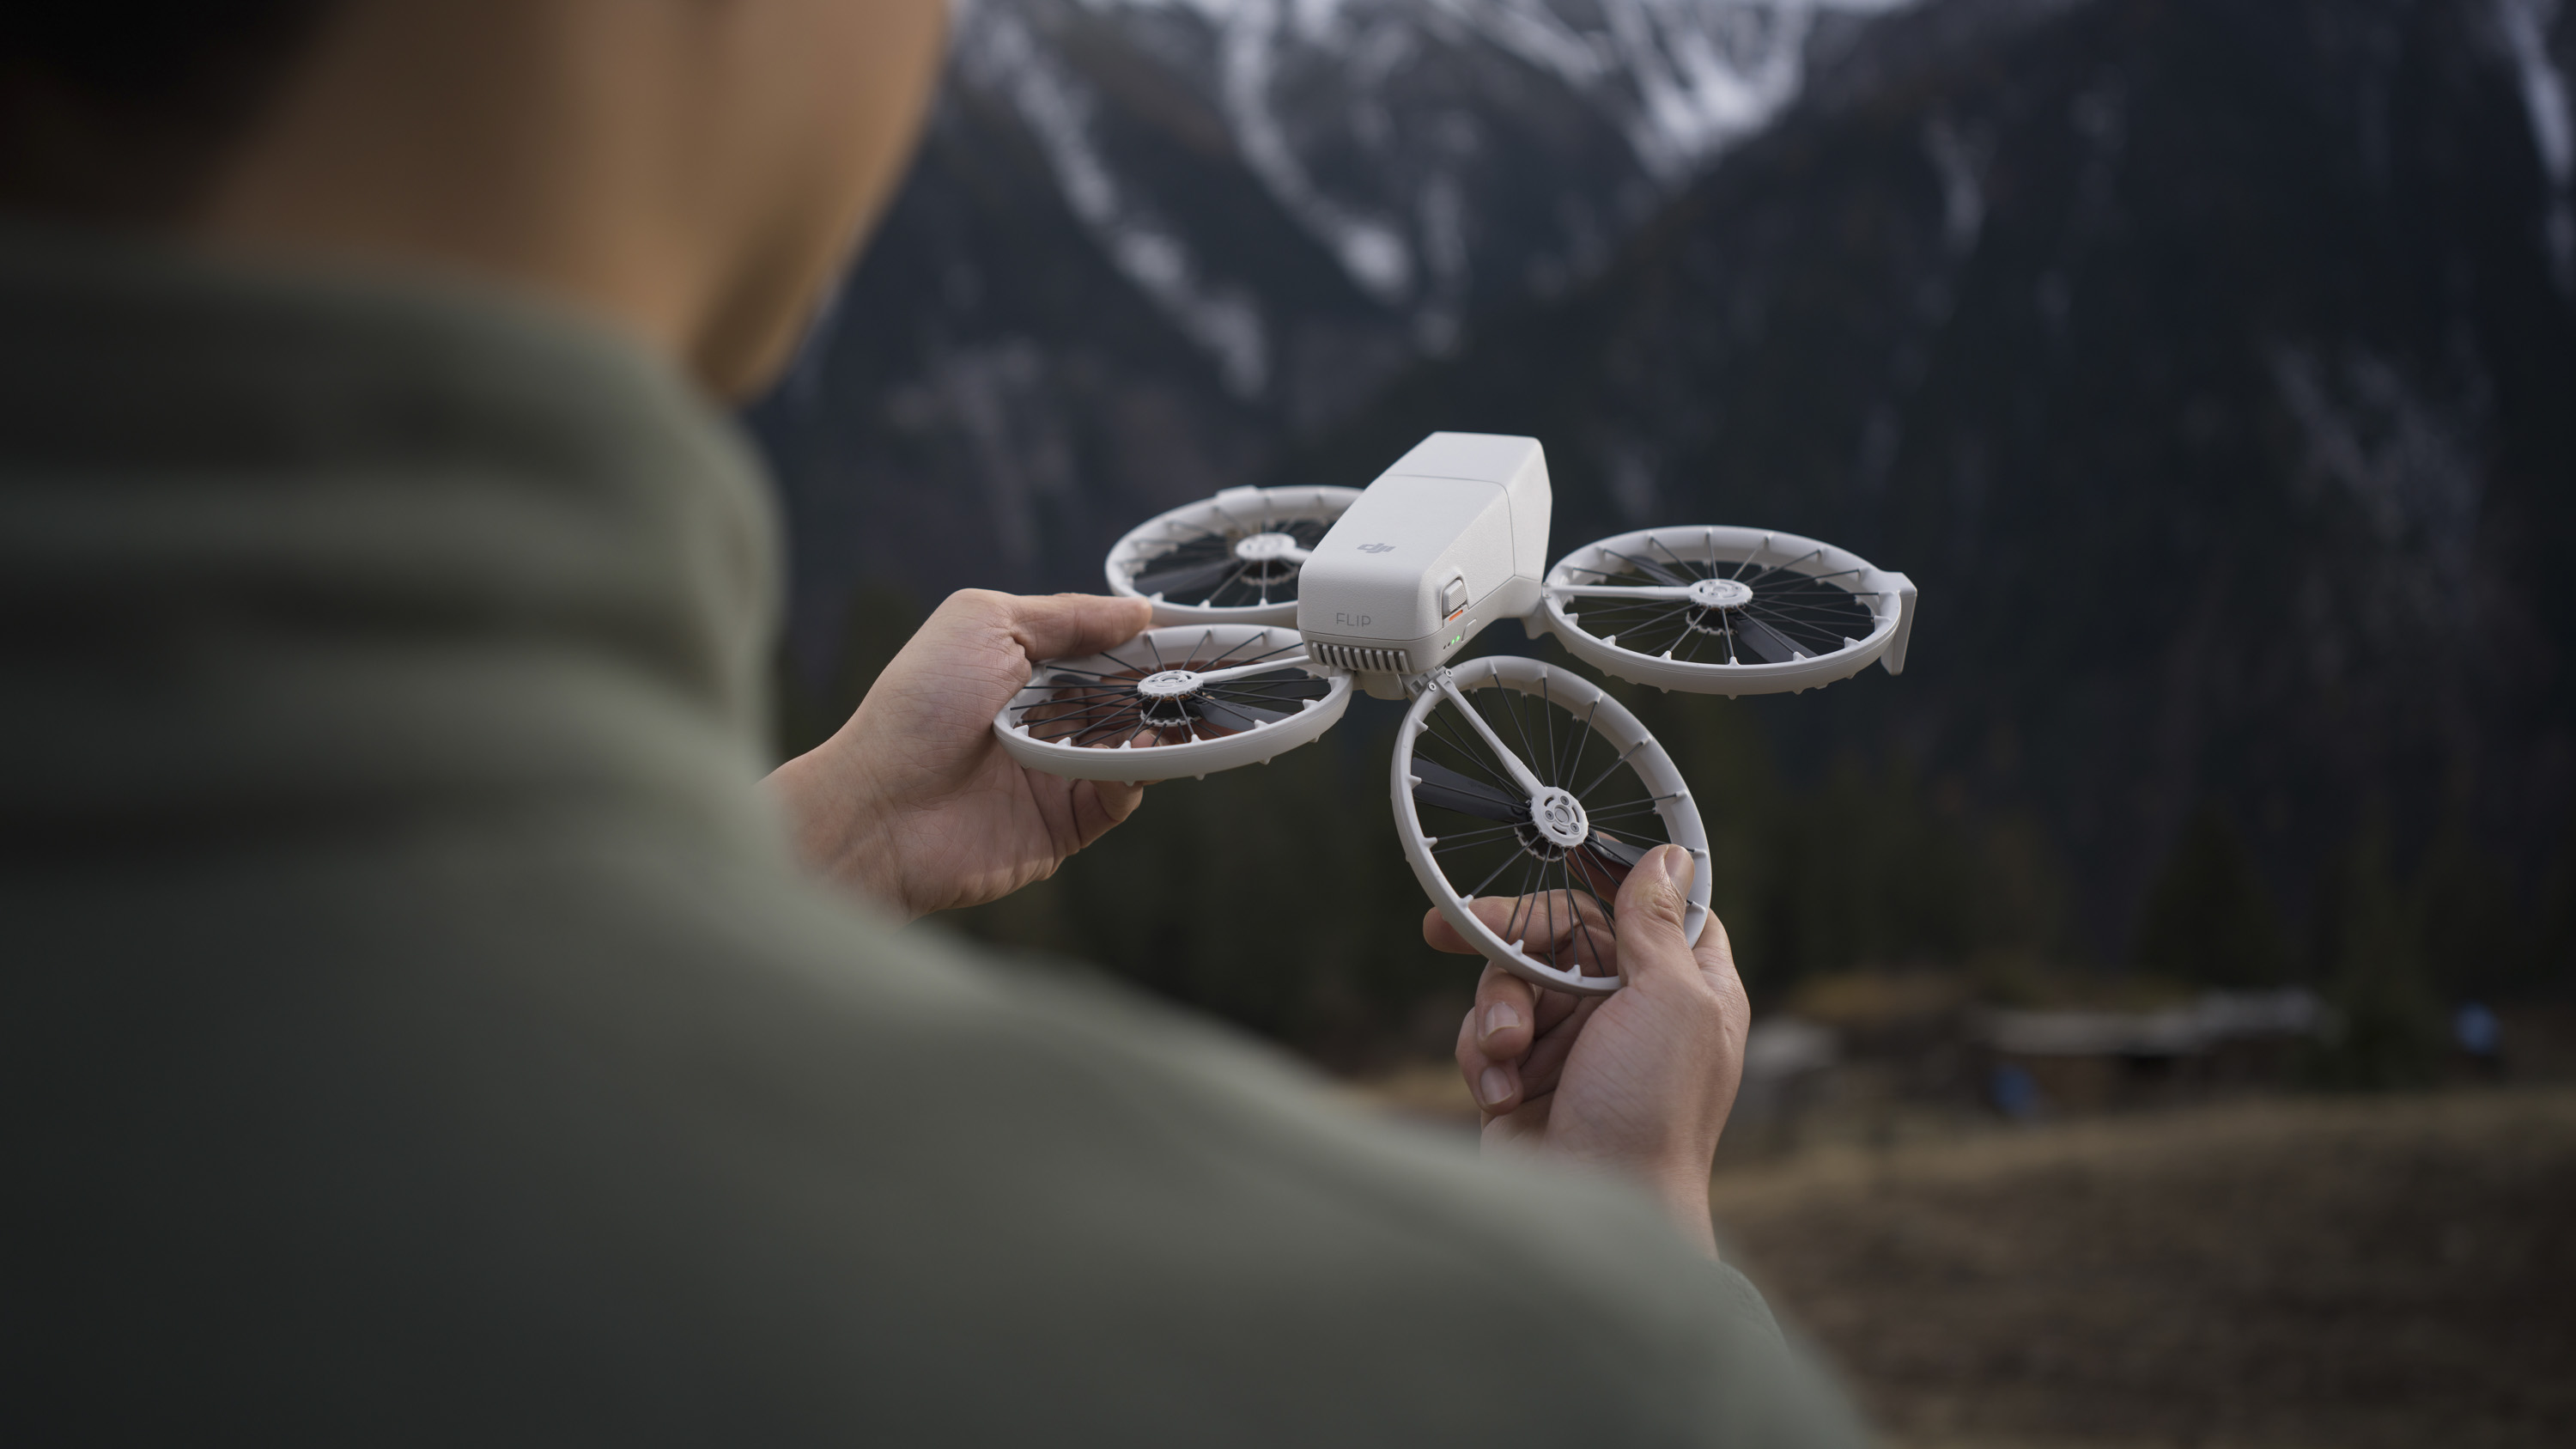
<point>1364,661</point>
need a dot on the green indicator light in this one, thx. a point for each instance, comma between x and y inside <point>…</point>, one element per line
<point>1457,639</point>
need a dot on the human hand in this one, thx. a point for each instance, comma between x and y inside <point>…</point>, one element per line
<point>913,801</point>
<point>1638,1082</point>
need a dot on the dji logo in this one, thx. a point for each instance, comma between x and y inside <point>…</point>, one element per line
<point>1377,548</point>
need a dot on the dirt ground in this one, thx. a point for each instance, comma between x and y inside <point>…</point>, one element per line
<point>2293,1272</point>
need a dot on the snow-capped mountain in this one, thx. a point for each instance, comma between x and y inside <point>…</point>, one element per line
<point>1150,240</point>
<point>1403,137</point>
<point>2210,367</point>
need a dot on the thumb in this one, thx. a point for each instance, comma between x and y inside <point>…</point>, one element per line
<point>1058,626</point>
<point>1651,906</point>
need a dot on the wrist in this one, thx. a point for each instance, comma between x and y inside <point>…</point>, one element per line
<point>838,828</point>
<point>1686,1203</point>
<point>1679,1188</point>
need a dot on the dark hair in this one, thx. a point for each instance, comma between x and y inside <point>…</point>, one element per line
<point>124,110</point>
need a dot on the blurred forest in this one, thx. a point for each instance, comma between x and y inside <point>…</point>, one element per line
<point>1277,898</point>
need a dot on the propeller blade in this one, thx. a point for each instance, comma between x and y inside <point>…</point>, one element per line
<point>1763,640</point>
<point>1611,847</point>
<point>1236,717</point>
<point>1651,569</point>
<point>1201,576</point>
<point>1450,790</point>
<point>1602,864</point>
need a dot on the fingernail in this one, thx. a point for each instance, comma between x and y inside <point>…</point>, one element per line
<point>1501,1016</point>
<point>1495,1087</point>
<point>1677,867</point>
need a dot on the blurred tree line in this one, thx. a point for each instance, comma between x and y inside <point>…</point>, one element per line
<point>2392,950</point>
<point>1277,898</point>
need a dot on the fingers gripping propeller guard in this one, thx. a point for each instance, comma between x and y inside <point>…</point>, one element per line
<point>1523,784</point>
<point>1173,702</point>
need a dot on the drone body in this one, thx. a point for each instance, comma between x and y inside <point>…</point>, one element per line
<point>1450,539</point>
<point>1514,781</point>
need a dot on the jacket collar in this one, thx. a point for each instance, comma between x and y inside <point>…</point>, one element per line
<point>295,545</point>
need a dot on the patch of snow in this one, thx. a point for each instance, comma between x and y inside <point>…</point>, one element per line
<point>996,396</point>
<point>1632,480</point>
<point>1371,249</point>
<point>1960,161</point>
<point>1441,215</point>
<point>2544,88</point>
<point>1682,80</point>
<point>2408,465</point>
<point>1531,30</point>
<point>1002,56</point>
<point>1705,75</point>
<point>2526,25</point>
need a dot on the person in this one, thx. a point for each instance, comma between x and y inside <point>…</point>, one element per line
<point>422,1023</point>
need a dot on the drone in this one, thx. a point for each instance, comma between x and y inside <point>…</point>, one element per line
<point>1511,775</point>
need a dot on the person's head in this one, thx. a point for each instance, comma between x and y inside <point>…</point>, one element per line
<point>697,171</point>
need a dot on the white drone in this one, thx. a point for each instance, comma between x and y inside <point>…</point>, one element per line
<point>1271,604</point>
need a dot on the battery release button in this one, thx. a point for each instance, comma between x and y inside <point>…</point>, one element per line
<point>1453,597</point>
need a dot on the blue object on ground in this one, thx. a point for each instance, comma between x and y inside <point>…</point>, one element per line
<point>2476,1029</point>
<point>2014,1091</point>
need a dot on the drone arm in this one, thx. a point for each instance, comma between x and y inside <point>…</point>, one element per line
<point>1520,773</point>
<point>1259,666</point>
<point>1617,591</point>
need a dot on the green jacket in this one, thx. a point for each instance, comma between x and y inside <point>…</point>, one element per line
<point>417,1030</point>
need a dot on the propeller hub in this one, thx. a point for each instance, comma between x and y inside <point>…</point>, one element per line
<point>1559,818</point>
<point>1169,684</point>
<point>1265,547</point>
<point>1721,593</point>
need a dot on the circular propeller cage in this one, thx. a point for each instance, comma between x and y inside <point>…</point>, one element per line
<point>1230,559</point>
<point>1522,783</point>
<point>1724,610</point>
<point>1173,701</point>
